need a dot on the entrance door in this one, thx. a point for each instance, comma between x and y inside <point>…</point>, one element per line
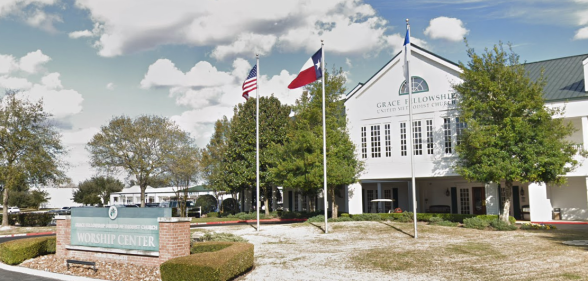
<point>479,196</point>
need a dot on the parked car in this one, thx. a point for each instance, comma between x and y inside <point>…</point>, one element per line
<point>13,210</point>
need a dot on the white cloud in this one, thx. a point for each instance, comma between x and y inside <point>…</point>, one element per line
<point>33,61</point>
<point>52,81</point>
<point>110,86</point>
<point>7,64</point>
<point>582,33</point>
<point>451,29</point>
<point>212,93</point>
<point>80,34</point>
<point>234,29</point>
<point>60,103</point>
<point>43,20</point>
<point>246,44</point>
<point>77,157</point>
<point>348,63</point>
<point>14,83</point>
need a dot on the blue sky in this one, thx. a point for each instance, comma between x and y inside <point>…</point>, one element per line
<point>91,60</point>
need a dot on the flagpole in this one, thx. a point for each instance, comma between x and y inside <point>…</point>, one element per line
<point>324,138</point>
<point>411,136</point>
<point>257,138</point>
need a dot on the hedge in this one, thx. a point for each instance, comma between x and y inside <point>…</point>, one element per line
<point>446,217</point>
<point>220,264</point>
<point>17,251</point>
<point>34,219</point>
<point>12,218</point>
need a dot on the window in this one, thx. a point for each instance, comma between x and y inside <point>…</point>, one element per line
<point>115,199</point>
<point>429,136</point>
<point>375,134</point>
<point>402,139</point>
<point>304,203</point>
<point>459,127</point>
<point>464,199</point>
<point>417,146</point>
<point>363,142</point>
<point>418,85</point>
<point>447,134</point>
<point>387,140</point>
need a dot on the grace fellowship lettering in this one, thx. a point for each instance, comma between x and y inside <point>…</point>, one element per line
<point>418,102</point>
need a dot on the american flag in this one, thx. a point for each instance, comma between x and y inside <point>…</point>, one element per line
<point>250,83</point>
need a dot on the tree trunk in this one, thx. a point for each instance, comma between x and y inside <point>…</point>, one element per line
<point>5,207</point>
<point>507,191</point>
<point>143,188</point>
<point>335,207</point>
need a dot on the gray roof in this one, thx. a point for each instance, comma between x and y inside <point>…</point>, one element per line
<point>564,77</point>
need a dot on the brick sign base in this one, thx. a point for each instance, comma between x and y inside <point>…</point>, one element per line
<point>174,241</point>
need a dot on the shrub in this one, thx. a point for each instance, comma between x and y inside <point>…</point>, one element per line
<point>535,226</point>
<point>475,222</point>
<point>406,217</point>
<point>12,219</point>
<point>17,251</point>
<point>447,223</point>
<point>222,237</point>
<point>207,247</point>
<point>502,226</point>
<point>435,220</point>
<point>366,217</point>
<point>342,218</point>
<point>212,215</point>
<point>319,218</point>
<point>34,219</point>
<point>222,264</point>
<point>490,218</point>
<point>345,215</point>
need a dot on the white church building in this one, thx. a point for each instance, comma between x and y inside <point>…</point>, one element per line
<point>377,113</point>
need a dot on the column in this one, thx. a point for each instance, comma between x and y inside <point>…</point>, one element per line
<point>539,202</point>
<point>355,199</point>
<point>379,196</point>
<point>492,199</point>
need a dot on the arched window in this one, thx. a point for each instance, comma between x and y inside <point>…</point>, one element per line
<point>419,85</point>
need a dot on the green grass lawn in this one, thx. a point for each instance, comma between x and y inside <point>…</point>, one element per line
<point>195,220</point>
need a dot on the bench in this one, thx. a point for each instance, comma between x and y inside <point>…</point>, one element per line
<point>91,263</point>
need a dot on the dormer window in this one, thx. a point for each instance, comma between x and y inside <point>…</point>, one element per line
<point>419,85</point>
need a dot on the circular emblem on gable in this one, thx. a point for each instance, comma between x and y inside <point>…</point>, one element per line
<point>112,212</point>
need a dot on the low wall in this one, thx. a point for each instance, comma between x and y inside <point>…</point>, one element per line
<point>174,241</point>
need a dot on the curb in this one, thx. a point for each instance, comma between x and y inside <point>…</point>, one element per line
<point>27,234</point>
<point>247,221</point>
<point>46,274</point>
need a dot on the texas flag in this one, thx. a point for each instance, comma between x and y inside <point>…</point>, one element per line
<point>310,72</point>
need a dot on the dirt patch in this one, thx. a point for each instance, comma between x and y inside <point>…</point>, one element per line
<point>387,251</point>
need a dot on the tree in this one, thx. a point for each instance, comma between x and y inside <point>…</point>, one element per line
<point>240,162</point>
<point>213,159</point>
<point>300,161</point>
<point>141,147</point>
<point>30,146</point>
<point>97,190</point>
<point>183,168</point>
<point>510,134</point>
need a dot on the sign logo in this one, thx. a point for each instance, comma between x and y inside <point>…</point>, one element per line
<point>112,212</point>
